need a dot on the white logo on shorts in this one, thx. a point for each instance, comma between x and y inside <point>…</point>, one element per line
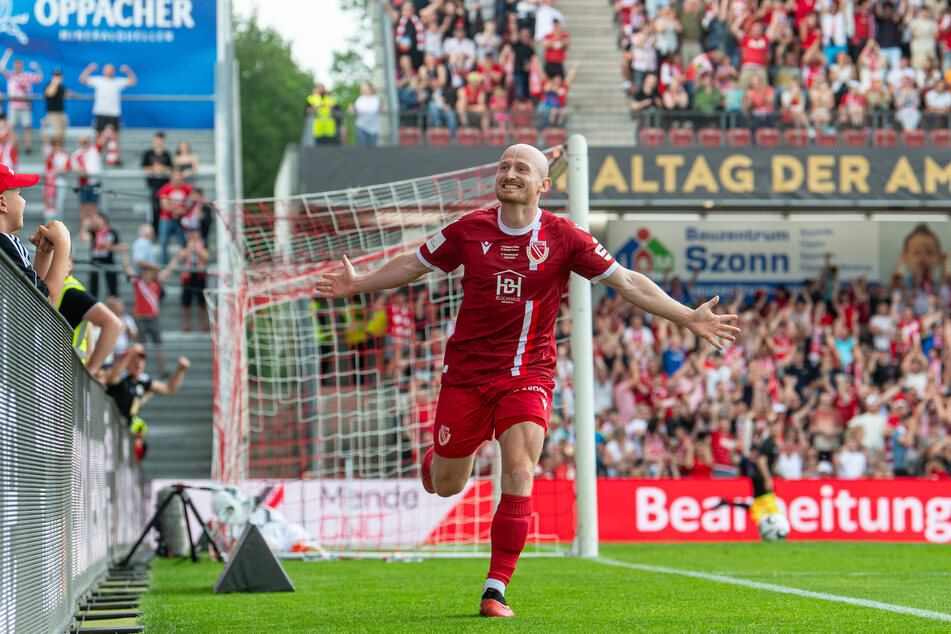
<point>444,434</point>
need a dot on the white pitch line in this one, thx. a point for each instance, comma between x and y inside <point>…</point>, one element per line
<point>830,573</point>
<point>865,603</point>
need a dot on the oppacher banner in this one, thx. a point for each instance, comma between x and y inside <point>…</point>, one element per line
<point>170,45</point>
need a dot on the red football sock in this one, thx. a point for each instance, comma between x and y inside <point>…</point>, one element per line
<point>509,532</point>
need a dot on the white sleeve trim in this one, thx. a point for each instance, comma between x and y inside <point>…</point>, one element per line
<point>419,254</point>
<point>611,269</point>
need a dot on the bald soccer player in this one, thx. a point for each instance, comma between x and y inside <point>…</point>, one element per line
<point>498,370</point>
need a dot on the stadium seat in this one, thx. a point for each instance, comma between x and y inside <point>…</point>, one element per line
<point>855,138</point>
<point>523,114</point>
<point>825,139</point>
<point>710,137</point>
<point>885,137</point>
<point>740,137</point>
<point>796,137</point>
<point>468,137</point>
<point>767,137</point>
<point>526,134</point>
<point>651,137</point>
<point>680,137</point>
<point>913,138</point>
<point>437,137</point>
<point>940,138</point>
<point>410,137</point>
<point>554,136</point>
<point>495,137</point>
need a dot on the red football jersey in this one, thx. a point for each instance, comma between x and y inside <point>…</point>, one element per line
<point>512,287</point>
<point>146,297</point>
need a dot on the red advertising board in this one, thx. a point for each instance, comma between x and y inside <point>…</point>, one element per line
<point>899,510</point>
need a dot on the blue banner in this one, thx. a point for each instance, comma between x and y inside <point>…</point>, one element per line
<point>169,45</point>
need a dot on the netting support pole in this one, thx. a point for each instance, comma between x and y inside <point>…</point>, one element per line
<point>579,297</point>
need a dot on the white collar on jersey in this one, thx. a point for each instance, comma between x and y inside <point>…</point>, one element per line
<point>519,232</point>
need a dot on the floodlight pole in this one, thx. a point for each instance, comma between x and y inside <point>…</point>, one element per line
<point>579,297</point>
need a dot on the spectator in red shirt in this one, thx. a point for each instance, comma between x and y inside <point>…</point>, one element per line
<point>723,445</point>
<point>147,299</point>
<point>556,48</point>
<point>173,200</point>
<point>852,108</point>
<point>754,53</point>
<point>19,90</point>
<point>863,26</point>
<point>471,99</point>
<point>804,8</point>
<point>194,265</point>
<point>759,102</point>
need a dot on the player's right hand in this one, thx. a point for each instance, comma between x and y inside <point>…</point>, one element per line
<point>339,285</point>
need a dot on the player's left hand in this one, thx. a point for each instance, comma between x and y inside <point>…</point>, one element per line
<point>708,325</point>
<point>338,285</point>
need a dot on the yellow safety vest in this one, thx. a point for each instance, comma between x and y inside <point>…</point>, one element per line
<point>138,425</point>
<point>81,332</point>
<point>355,324</point>
<point>324,123</point>
<point>323,331</point>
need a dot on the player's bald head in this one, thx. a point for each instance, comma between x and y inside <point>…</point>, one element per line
<point>529,154</point>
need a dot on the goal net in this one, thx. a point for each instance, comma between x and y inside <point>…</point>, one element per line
<point>332,401</point>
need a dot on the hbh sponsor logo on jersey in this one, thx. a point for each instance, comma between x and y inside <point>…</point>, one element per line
<point>508,286</point>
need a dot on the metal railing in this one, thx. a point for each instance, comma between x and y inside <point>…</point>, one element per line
<point>71,493</point>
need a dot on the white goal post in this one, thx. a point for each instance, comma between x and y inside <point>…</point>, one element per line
<point>582,352</point>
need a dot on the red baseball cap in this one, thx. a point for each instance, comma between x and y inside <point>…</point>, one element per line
<point>10,179</point>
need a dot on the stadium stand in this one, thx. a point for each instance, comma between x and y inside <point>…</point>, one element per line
<point>124,198</point>
<point>863,74</point>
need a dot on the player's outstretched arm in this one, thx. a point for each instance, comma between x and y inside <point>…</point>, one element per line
<point>399,271</point>
<point>701,321</point>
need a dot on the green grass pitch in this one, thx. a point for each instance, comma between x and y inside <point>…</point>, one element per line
<point>573,595</point>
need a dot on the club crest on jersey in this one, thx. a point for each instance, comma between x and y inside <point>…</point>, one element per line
<point>444,434</point>
<point>538,252</point>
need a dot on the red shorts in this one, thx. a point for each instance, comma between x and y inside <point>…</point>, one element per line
<point>467,416</point>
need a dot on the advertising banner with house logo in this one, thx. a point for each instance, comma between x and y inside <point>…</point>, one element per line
<point>751,254</point>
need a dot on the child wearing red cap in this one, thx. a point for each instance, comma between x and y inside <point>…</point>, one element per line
<point>51,240</point>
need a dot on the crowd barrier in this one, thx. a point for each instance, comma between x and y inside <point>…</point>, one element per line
<point>71,493</point>
<point>371,514</point>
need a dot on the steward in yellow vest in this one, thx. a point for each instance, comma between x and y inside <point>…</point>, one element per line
<point>327,115</point>
<point>80,309</point>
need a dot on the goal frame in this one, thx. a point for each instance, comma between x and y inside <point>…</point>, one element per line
<point>232,425</point>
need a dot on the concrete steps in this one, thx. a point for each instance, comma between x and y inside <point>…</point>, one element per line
<point>598,105</point>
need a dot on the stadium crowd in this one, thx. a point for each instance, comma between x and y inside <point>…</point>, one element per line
<point>812,64</point>
<point>456,68</point>
<point>816,65</point>
<point>850,378</point>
